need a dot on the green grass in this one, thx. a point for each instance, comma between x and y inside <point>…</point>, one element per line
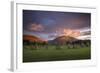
<point>54,53</point>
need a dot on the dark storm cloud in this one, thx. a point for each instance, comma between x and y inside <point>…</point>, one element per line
<point>53,20</point>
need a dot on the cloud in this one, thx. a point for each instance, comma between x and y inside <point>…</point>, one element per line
<point>85,31</point>
<point>36,27</point>
<point>85,37</point>
<point>85,34</point>
<point>70,32</point>
<point>64,32</point>
<point>53,35</point>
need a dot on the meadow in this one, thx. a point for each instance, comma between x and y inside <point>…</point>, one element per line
<point>54,53</point>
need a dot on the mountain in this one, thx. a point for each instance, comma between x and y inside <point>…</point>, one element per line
<point>31,38</point>
<point>63,40</point>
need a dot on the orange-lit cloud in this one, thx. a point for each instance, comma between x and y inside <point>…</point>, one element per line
<point>68,32</point>
<point>36,27</point>
<point>72,33</point>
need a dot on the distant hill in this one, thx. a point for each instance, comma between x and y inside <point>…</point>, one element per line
<point>63,40</point>
<point>60,40</point>
<point>32,38</point>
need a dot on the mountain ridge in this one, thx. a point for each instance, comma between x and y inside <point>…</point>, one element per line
<point>32,38</point>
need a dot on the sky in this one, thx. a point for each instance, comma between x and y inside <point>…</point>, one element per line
<point>48,25</point>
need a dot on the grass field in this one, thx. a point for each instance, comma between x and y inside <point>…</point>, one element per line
<point>52,53</point>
